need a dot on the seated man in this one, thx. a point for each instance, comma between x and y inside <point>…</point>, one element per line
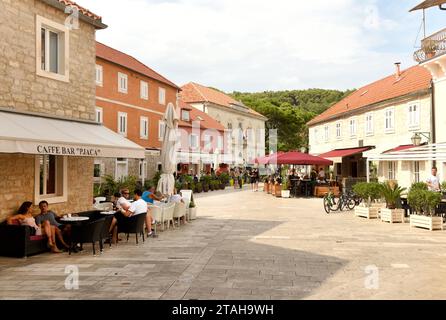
<point>121,204</point>
<point>50,216</point>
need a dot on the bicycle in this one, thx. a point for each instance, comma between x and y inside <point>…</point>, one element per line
<point>331,204</point>
<point>351,200</point>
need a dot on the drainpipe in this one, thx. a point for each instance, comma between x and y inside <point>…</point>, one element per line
<point>433,125</point>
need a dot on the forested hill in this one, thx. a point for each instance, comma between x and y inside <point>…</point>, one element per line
<point>289,111</point>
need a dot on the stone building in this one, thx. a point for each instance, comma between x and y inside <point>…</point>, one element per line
<point>379,118</point>
<point>247,126</point>
<point>48,133</point>
<point>131,100</point>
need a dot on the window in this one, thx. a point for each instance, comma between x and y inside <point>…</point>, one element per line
<point>353,128</point>
<point>144,128</point>
<point>122,123</point>
<point>51,179</point>
<point>99,170</point>
<point>185,115</point>
<point>144,90</point>
<point>123,82</point>
<point>220,143</point>
<point>161,130</point>
<point>99,75</point>
<point>369,124</point>
<point>162,96</point>
<point>207,142</point>
<point>122,169</point>
<point>391,171</point>
<point>414,116</point>
<point>316,138</point>
<point>327,133</point>
<point>99,115</point>
<point>389,120</point>
<point>52,49</point>
<point>193,141</point>
<point>142,169</point>
<point>338,130</point>
<point>416,171</point>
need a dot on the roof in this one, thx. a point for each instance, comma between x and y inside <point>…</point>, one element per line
<point>193,93</point>
<point>91,17</point>
<point>400,148</point>
<point>107,53</point>
<point>411,80</point>
<point>428,4</point>
<point>207,121</point>
<point>341,153</point>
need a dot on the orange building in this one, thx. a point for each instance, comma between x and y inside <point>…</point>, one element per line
<point>131,99</point>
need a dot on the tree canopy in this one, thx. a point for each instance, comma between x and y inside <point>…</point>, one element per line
<point>290,111</point>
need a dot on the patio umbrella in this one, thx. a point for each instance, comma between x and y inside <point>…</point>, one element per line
<point>299,158</point>
<point>166,184</point>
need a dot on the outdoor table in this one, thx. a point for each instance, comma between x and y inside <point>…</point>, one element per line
<point>76,224</point>
<point>108,213</point>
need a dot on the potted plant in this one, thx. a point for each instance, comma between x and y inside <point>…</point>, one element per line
<point>278,188</point>
<point>192,210</point>
<point>285,190</point>
<point>198,187</point>
<point>266,185</point>
<point>443,189</point>
<point>393,212</point>
<point>370,193</point>
<point>424,203</point>
<point>430,48</point>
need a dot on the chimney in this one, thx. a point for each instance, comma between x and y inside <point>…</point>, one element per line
<point>398,70</point>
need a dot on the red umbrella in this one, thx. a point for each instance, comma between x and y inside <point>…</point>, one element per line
<point>299,158</point>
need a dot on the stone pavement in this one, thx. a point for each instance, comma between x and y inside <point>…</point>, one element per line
<point>248,246</point>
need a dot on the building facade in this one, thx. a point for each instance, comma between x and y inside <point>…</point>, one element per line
<point>246,126</point>
<point>201,141</point>
<point>376,119</point>
<point>131,100</point>
<point>48,135</point>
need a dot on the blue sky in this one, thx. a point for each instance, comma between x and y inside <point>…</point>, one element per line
<point>258,45</point>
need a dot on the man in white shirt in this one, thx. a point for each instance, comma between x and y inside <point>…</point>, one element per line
<point>433,182</point>
<point>322,174</point>
<point>123,202</point>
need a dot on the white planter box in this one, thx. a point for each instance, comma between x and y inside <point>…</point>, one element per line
<point>286,193</point>
<point>193,213</point>
<point>392,216</point>
<point>365,212</point>
<point>430,223</point>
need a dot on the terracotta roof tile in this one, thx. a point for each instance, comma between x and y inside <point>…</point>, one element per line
<point>207,123</point>
<point>411,80</point>
<point>193,92</point>
<point>127,61</point>
<point>81,9</point>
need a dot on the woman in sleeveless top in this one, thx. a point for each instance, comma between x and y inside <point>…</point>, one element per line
<point>25,217</point>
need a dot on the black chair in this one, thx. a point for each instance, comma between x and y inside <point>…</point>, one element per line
<point>133,225</point>
<point>89,232</point>
<point>105,234</point>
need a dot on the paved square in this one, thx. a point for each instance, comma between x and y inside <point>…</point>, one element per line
<point>248,246</point>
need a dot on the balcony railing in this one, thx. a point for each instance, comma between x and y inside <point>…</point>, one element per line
<point>431,47</point>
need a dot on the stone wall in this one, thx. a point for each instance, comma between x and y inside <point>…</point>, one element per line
<point>20,87</point>
<point>17,184</point>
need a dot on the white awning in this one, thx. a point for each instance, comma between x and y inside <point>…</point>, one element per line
<point>430,152</point>
<point>30,134</point>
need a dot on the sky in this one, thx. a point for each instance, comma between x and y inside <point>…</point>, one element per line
<point>260,45</point>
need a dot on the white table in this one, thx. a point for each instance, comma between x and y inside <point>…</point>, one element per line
<point>74,219</point>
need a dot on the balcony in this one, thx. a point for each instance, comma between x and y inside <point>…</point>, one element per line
<point>432,47</point>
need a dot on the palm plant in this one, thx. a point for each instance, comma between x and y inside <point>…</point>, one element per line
<point>392,194</point>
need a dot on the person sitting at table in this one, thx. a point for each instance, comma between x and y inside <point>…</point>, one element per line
<point>50,216</point>
<point>150,196</point>
<point>25,216</point>
<point>123,202</point>
<point>115,199</point>
<point>321,175</point>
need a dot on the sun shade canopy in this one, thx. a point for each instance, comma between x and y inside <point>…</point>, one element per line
<point>29,134</point>
<point>428,4</point>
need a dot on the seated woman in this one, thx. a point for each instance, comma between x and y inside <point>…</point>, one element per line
<point>26,218</point>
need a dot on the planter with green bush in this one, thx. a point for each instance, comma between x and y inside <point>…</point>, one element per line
<point>285,190</point>
<point>370,193</point>
<point>424,204</point>
<point>393,212</point>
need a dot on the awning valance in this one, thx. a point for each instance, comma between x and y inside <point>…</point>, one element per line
<point>337,155</point>
<point>429,152</point>
<point>29,134</point>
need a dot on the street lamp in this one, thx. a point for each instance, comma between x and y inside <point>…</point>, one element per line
<point>417,137</point>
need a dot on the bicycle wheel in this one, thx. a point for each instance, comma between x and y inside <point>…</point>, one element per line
<point>351,204</point>
<point>327,205</point>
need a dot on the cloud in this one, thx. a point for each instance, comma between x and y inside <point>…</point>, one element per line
<point>252,45</point>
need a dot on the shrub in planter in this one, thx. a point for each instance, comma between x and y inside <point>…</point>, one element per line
<point>224,178</point>
<point>419,186</point>
<point>393,211</point>
<point>198,187</point>
<point>425,203</point>
<point>369,192</point>
<point>443,188</point>
<point>205,187</point>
